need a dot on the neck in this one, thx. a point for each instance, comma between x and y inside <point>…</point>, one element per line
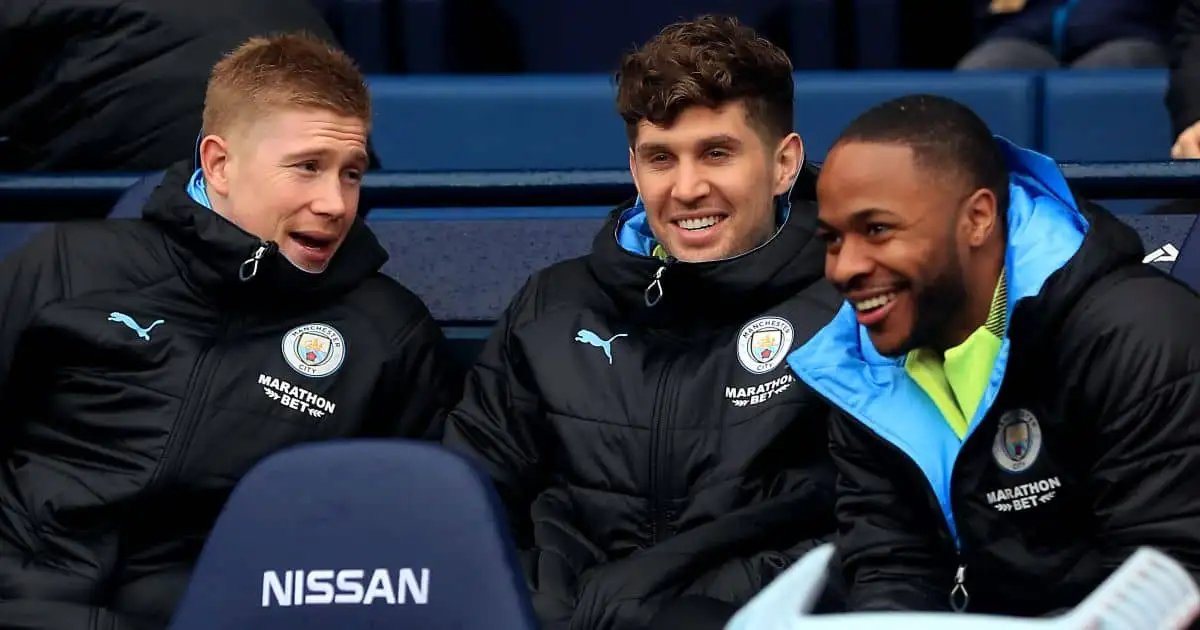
<point>977,303</point>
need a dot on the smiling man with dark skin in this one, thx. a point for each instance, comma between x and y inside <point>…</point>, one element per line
<point>658,462</point>
<point>1020,394</point>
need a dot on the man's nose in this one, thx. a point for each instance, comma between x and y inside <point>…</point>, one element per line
<point>332,199</point>
<point>691,183</point>
<point>849,261</point>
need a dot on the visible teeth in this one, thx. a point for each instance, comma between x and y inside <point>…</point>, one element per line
<point>875,302</point>
<point>698,223</point>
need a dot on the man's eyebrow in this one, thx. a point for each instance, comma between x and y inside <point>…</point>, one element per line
<point>717,140</point>
<point>651,148</point>
<point>869,214</point>
<point>358,157</point>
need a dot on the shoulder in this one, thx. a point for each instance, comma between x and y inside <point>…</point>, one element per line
<point>1140,329</point>
<point>565,284</point>
<point>107,254</point>
<point>390,306</point>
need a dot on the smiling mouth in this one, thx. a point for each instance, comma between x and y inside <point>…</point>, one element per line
<point>695,224</point>
<point>874,303</point>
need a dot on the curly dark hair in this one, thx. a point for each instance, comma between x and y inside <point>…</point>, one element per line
<point>710,61</point>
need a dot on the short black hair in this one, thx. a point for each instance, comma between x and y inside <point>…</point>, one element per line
<point>944,135</point>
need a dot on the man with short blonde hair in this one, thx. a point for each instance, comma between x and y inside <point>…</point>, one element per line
<point>289,70</point>
<point>147,365</point>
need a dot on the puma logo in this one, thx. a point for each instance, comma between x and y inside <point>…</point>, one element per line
<point>122,318</point>
<point>592,339</point>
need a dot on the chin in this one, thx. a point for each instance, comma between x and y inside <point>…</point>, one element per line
<point>889,346</point>
<point>707,254</point>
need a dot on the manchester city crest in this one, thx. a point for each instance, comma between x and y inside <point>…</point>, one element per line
<point>314,350</point>
<point>1018,440</point>
<point>763,343</point>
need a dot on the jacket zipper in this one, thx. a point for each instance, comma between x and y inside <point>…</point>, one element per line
<point>654,291</point>
<point>660,512</point>
<point>193,403</point>
<point>196,393</point>
<point>249,267</point>
<point>959,597</point>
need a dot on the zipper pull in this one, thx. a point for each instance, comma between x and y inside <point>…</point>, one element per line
<point>959,598</point>
<point>249,267</point>
<point>654,292</point>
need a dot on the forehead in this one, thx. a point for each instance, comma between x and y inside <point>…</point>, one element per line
<point>857,176</point>
<point>698,124</point>
<point>298,129</point>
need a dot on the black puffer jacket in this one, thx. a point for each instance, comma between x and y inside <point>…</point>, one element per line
<point>1085,447</point>
<point>141,379</point>
<point>119,84</point>
<point>647,452</point>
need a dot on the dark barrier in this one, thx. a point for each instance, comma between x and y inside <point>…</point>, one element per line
<point>66,197</point>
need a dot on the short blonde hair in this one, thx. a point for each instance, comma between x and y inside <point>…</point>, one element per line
<point>290,69</point>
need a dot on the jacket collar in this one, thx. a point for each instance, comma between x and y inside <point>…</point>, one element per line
<point>682,295</point>
<point>219,256</point>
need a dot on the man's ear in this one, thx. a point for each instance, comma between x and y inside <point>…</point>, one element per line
<point>214,161</point>
<point>982,216</point>
<point>633,171</point>
<point>789,157</point>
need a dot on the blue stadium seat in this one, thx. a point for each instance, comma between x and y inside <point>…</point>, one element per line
<point>448,123</point>
<point>826,103</point>
<point>467,266</point>
<point>354,535</point>
<point>129,205</point>
<point>1106,116</point>
<point>1181,255</point>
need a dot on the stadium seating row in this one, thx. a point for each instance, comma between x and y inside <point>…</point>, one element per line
<point>521,122</point>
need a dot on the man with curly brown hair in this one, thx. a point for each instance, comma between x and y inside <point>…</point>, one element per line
<point>659,463</point>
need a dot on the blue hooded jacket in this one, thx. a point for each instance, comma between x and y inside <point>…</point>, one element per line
<point>1085,444</point>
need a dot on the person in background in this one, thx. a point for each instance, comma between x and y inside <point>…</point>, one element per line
<point>1020,394</point>
<point>659,463</point>
<point>1183,90</point>
<point>146,365</point>
<point>118,85</point>
<point>1051,34</point>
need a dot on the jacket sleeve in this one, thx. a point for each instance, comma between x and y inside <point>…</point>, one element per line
<point>889,554</point>
<point>418,384</point>
<point>1137,360</point>
<point>495,424</point>
<point>30,278</point>
<point>1183,90</point>
<point>806,494</point>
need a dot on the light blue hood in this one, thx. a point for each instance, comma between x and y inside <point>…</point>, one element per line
<point>1045,229</point>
